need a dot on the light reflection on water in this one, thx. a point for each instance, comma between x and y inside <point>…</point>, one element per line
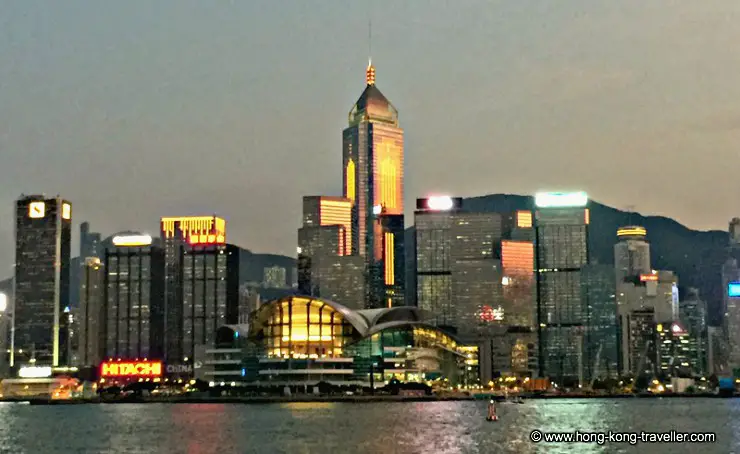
<point>320,427</point>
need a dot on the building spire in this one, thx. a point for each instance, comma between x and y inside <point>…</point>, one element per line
<point>370,72</point>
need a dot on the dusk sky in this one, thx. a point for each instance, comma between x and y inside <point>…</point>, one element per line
<point>134,110</point>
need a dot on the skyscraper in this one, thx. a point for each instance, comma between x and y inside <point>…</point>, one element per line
<point>177,232</point>
<point>631,253</point>
<point>90,314</point>
<point>42,261</point>
<point>475,279</point>
<point>561,225</point>
<point>326,267</point>
<point>133,299</point>
<point>372,173</point>
<point>89,242</point>
<point>601,349</point>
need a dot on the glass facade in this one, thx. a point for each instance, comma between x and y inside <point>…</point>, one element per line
<point>561,253</point>
<point>207,302</point>
<point>133,302</point>
<point>42,274</point>
<point>372,164</point>
<point>308,339</point>
<point>306,328</point>
<point>90,313</point>
<point>601,354</point>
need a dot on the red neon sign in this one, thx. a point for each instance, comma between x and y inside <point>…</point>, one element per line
<point>146,369</point>
<point>207,239</point>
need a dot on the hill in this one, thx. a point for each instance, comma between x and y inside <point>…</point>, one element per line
<point>696,256</point>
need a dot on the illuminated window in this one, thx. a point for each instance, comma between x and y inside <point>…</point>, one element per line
<point>306,328</point>
<point>66,211</point>
<point>390,278</point>
<point>350,177</point>
<point>36,210</point>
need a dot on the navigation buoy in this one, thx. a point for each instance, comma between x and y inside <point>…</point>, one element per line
<point>492,416</point>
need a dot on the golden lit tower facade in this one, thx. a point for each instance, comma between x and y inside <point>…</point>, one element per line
<point>372,173</point>
<point>179,236</point>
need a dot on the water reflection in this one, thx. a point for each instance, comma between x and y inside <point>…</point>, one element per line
<point>312,427</point>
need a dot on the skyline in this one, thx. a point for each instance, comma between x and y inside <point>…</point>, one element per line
<point>81,115</point>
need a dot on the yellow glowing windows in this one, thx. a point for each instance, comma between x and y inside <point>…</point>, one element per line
<point>350,178</point>
<point>66,211</point>
<point>390,278</point>
<point>36,210</point>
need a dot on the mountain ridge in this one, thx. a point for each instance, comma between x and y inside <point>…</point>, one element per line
<point>695,255</point>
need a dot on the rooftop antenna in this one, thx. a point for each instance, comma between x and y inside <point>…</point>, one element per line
<point>631,213</point>
<point>370,72</point>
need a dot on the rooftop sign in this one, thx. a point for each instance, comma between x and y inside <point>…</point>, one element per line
<point>561,199</point>
<point>132,240</point>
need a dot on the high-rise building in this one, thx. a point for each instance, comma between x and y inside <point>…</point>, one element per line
<point>601,349</point>
<point>42,261</point>
<point>372,172</point>
<point>653,295</point>
<point>677,351</point>
<point>275,277</point>
<point>475,277</point>
<point>324,236</point>
<point>90,243</point>
<point>433,240</point>
<point>692,312</point>
<point>330,211</point>
<point>210,290</point>
<point>133,299</point>
<point>631,252</point>
<point>90,314</point>
<point>561,226</point>
<point>175,233</point>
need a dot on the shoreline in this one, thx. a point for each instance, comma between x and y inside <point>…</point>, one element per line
<point>341,399</point>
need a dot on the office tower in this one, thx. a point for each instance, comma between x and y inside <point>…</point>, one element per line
<point>677,351</point>
<point>655,294</point>
<point>372,173</point>
<point>133,299</point>
<point>477,290</point>
<point>474,279</point>
<point>210,291</point>
<point>330,211</point>
<point>324,235</point>
<point>90,315</point>
<point>692,312</point>
<point>90,243</point>
<point>717,351</point>
<point>730,310</point>
<point>326,268</point>
<point>176,232</point>
<point>561,226</point>
<point>631,253</point>
<point>275,277</point>
<point>42,260</point>
<point>601,350</point>
<point>433,237</point>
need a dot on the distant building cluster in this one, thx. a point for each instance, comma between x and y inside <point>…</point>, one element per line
<point>461,297</point>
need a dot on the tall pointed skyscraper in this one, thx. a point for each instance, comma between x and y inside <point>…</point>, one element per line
<point>372,163</point>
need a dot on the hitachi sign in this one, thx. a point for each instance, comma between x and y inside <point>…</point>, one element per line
<point>131,369</point>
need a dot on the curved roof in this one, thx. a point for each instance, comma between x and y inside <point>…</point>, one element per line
<point>366,322</point>
<point>355,319</point>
